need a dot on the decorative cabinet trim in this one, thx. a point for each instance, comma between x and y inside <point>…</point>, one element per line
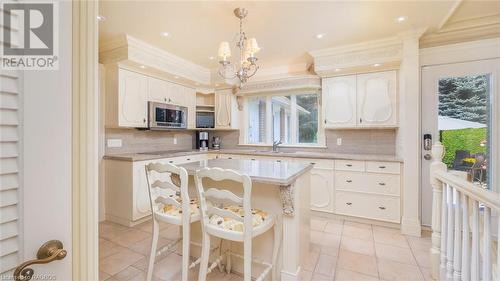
<point>286,196</point>
<point>311,82</point>
<point>128,48</point>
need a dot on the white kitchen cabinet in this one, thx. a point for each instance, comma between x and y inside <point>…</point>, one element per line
<point>126,98</point>
<point>128,93</point>
<point>360,101</point>
<point>376,94</point>
<point>322,189</point>
<point>368,189</point>
<point>339,101</point>
<point>158,90</point>
<point>225,110</point>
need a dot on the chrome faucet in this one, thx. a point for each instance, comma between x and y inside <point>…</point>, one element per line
<point>275,145</point>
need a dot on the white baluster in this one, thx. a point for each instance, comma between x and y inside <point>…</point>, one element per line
<point>444,226</point>
<point>465,239</point>
<point>487,244</point>
<point>475,242</point>
<point>457,251</point>
<point>449,234</point>
<point>444,231</point>
<point>437,208</point>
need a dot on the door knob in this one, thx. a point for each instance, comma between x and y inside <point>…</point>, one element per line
<point>48,252</point>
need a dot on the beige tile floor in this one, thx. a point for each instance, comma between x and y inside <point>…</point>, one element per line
<point>339,250</point>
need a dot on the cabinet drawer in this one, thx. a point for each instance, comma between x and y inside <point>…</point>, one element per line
<point>350,165</point>
<point>319,163</point>
<point>378,207</point>
<point>383,167</point>
<point>368,182</point>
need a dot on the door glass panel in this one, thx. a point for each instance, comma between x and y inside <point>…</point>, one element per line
<point>465,125</point>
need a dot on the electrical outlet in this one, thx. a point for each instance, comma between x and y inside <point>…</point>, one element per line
<point>339,141</point>
<point>114,142</point>
<point>175,140</point>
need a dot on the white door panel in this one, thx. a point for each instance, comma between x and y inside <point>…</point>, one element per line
<point>430,101</point>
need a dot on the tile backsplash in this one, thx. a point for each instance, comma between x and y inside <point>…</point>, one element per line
<point>365,141</point>
<point>134,140</point>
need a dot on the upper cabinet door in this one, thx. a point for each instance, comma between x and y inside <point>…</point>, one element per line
<point>377,100</point>
<point>157,90</point>
<point>339,102</point>
<point>223,109</point>
<point>133,91</point>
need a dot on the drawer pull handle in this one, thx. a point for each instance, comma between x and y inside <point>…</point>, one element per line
<point>349,203</point>
<point>381,167</point>
<point>382,208</point>
<point>312,163</point>
<point>252,159</point>
<point>230,158</point>
<point>348,165</point>
<point>278,160</point>
<point>170,161</point>
<point>381,183</point>
<point>348,181</point>
<point>188,159</point>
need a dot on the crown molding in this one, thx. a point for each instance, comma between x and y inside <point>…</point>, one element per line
<point>128,48</point>
<point>470,29</point>
<point>387,50</point>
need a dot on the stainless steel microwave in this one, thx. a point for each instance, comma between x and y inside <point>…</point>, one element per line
<point>163,116</point>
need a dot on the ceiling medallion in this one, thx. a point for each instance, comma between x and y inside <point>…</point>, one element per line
<point>247,66</point>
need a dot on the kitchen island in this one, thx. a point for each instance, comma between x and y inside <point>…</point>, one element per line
<point>278,187</point>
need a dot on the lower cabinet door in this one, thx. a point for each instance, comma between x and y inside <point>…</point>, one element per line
<point>370,206</point>
<point>141,204</point>
<point>322,190</point>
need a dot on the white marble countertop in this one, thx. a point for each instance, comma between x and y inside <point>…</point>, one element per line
<point>261,171</point>
<point>297,154</point>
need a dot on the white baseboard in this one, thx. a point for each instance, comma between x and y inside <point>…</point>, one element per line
<point>290,276</point>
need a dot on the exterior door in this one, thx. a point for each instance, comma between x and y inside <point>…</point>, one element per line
<point>36,161</point>
<point>460,108</point>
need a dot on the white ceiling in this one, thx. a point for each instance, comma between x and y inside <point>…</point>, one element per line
<point>284,30</point>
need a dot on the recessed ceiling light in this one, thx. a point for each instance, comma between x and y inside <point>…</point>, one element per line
<point>176,77</point>
<point>401,19</point>
<point>101,18</point>
<point>377,64</point>
<point>165,34</point>
<point>337,69</point>
<point>320,35</point>
<point>211,57</point>
<point>142,66</point>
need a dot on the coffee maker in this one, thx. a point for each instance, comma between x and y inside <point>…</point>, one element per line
<point>202,140</point>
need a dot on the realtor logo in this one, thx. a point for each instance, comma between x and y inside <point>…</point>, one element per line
<point>30,37</point>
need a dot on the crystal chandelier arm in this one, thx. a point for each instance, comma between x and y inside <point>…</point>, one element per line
<point>256,67</point>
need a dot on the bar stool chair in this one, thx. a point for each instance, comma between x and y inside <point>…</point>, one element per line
<point>227,216</point>
<point>170,203</point>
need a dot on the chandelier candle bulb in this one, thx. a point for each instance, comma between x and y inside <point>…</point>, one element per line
<point>224,51</point>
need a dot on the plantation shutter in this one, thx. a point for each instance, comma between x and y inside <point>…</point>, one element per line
<point>10,210</point>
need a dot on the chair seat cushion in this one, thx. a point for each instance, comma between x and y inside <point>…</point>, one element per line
<point>258,218</point>
<point>175,211</point>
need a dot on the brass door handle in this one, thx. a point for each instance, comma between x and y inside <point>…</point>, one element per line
<point>48,252</point>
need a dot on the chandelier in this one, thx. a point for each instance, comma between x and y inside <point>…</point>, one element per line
<point>247,66</point>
